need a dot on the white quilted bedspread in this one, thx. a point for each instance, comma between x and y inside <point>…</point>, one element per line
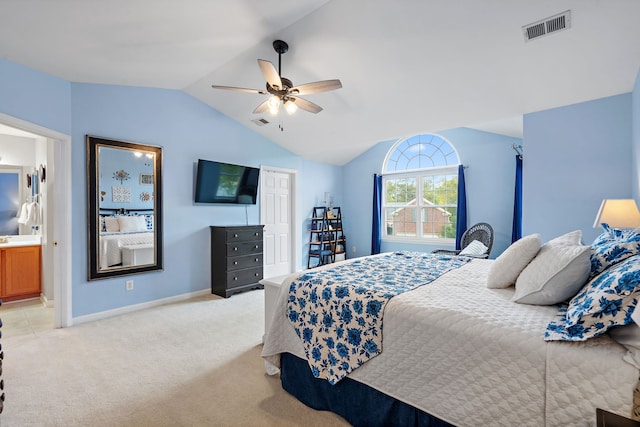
<point>472,357</point>
<point>111,246</point>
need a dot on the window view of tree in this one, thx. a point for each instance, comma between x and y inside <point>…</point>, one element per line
<point>440,194</point>
<point>421,203</point>
<point>401,190</point>
<point>230,176</point>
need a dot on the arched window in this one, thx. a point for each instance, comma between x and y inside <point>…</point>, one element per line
<point>420,182</point>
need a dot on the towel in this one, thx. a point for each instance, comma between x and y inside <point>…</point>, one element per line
<point>34,216</point>
<point>23,214</point>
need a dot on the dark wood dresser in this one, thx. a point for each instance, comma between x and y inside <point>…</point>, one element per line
<point>236,259</point>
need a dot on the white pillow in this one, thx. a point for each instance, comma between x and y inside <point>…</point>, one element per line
<point>571,238</point>
<point>111,224</point>
<point>474,248</point>
<point>628,336</point>
<point>556,273</point>
<point>507,267</point>
<point>132,223</point>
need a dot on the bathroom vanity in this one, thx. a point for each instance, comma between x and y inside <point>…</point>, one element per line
<point>20,268</point>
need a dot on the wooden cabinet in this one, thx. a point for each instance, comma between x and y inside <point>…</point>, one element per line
<point>236,259</point>
<point>20,272</point>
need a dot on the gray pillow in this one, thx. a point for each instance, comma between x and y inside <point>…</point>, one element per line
<point>556,273</point>
<point>507,267</point>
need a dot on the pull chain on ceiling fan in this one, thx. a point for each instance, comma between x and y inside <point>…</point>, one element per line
<point>282,90</point>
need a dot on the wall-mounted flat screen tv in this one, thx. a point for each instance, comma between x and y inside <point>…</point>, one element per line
<point>218,182</point>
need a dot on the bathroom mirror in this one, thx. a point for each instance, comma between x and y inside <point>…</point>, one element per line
<point>124,205</point>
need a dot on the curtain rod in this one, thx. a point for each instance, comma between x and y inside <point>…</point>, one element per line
<point>517,148</point>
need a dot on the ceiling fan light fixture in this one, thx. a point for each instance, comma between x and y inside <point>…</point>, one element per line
<point>274,105</point>
<point>282,89</point>
<point>290,106</point>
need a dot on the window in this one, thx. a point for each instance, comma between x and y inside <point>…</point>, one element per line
<point>420,190</point>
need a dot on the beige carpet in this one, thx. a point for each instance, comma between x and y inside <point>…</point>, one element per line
<point>194,363</point>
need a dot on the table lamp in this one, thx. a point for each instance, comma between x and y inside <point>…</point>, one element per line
<point>618,213</point>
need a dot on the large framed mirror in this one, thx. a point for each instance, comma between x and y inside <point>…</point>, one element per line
<point>124,205</point>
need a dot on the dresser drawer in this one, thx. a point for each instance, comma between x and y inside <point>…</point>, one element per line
<point>246,261</point>
<point>243,235</point>
<point>244,248</point>
<point>242,277</point>
<point>236,259</point>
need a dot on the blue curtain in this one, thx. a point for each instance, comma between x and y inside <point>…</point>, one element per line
<point>516,231</point>
<point>461,220</point>
<point>376,230</point>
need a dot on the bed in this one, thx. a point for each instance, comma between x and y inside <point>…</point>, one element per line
<point>455,351</point>
<point>121,231</point>
<point>111,245</point>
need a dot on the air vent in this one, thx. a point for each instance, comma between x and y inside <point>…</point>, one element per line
<point>260,121</point>
<point>552,24</point>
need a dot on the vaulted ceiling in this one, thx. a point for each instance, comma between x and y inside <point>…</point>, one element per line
<point>407,66</point>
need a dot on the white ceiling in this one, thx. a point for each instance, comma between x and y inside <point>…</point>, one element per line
<point>407,66</point>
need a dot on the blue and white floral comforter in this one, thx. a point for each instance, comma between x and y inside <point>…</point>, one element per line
<point>338,313</point>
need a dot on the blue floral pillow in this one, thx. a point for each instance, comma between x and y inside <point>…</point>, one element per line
<point>611,247</point>
<point>606,301</point>
<point>149,221</point>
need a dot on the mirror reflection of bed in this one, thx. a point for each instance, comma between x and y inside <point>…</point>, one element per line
<point>126,238</point>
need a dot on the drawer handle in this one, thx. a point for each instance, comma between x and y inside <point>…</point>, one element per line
<point>235,262</point>
<point>235,278</point>
<point>235,235</point>
<point>235,249</point>
<point>257,274</point>
<point>256,234</point>
<point>257,259</point>
<point>257,246</point>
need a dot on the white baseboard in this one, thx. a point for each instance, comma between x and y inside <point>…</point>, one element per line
<point>131,308</point>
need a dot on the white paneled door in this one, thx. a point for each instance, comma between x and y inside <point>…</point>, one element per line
<point>276,211</point>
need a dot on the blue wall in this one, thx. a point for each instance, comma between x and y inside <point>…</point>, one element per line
<point>113,160</point>
<point>187,130</point>
<point>635,134</point>
<point>35,97</point>
<point>575,156</point>
<point>358,198</point>
<point>489,179</point>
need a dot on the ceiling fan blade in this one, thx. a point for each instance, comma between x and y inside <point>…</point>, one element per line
<point>262,108</point>
<point>240,89</point>
<point>306,105</point>
<point>316,87</point>
<point>270,74</point>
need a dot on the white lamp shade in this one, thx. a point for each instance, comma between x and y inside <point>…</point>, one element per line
<point>618,213</point>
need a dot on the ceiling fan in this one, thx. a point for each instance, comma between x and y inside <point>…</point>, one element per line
<point>282,89</point>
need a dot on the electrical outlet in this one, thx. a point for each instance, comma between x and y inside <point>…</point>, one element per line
<point>353,249</point>
<point>129,285</point>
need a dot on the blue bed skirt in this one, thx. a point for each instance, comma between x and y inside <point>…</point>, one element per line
<point>357,403</point>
